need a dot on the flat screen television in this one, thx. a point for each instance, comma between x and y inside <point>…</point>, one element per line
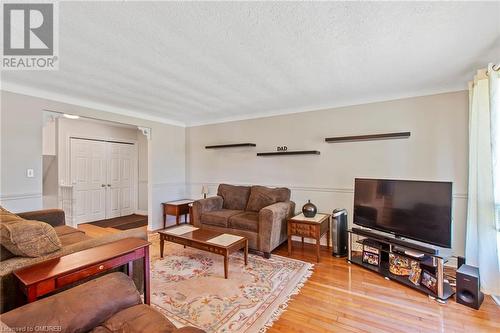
<point>419,210</point>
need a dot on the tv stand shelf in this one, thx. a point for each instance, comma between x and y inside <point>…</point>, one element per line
<point>431,260</point>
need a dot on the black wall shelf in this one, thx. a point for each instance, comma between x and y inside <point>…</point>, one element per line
<point>369,137</point>
<point>297,152</point>
<point>232,145</point>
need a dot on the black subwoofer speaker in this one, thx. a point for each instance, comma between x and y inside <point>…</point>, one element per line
<point>468,287</point>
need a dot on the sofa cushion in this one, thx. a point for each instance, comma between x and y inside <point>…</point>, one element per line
<point>245,221</point>
<point>219,218</point>
<point>27,238</point>
<point>235,197</point>
<point>138,318</point>
<point>261,196</point>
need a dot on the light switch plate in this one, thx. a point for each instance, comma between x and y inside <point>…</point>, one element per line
<point>30,173</point>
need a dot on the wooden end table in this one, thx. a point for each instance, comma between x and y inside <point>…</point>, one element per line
<point>48,276</point>
<point>309,227</point>
<point>203,240</point>
<point>176,208</point>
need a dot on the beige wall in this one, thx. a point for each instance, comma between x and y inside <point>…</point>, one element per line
<point>436,150</point>
<point>21,148</point>
<point>21,141</point>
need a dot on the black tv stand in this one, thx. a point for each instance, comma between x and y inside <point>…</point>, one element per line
<point>398,241</point>
<point>430,261</point>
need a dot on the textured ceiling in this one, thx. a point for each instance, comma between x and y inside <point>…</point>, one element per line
<point>199,62</point>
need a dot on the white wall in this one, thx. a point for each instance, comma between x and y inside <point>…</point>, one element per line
<point>436,150</point>
<point>21,143</point>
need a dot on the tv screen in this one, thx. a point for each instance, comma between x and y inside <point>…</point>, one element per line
<point>418,210</point>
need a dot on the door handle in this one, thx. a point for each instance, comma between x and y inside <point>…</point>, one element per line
<point>109,185</point>
<point>103,185</point>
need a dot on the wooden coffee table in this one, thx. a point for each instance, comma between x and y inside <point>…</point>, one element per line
<point>205,240</point>
<point>53,274</point>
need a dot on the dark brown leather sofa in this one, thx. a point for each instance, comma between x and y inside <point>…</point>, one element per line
<point>72,240</point>
<point>107,304</point>
<point>256,212</point>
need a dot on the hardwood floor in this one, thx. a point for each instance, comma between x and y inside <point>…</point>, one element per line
<point>340,297</point>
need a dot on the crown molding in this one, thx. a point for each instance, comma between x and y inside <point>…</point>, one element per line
<point>40,93</point>
<point>322,107</point>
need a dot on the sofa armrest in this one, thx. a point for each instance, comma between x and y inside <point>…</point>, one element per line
<point>272,224</point>
<point>54,217</point>
<point>78,309</point>
<point>205,205</point>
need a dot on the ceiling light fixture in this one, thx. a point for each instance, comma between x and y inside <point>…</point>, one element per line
<point>70,116</point>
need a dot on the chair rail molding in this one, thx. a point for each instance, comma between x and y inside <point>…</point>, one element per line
<point>305,188</point>
<point>19,196</point>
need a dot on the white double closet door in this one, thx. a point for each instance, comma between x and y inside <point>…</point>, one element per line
<point>103,175</point>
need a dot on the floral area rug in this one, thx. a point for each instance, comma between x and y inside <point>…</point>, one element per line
<point>189,288</point>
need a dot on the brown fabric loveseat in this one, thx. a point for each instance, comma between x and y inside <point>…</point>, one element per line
<point>72,240</point>
<point>256,212</point>
<point>105,305</point>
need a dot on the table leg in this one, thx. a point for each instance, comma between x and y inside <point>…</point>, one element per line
<point>130,268</point>
<point>289,245</point>
<point>302,241</point>
<point>318,246</point>
<point>185,218</point>
<point>147,299</point>
<point>162,245</point>
<point>177,220</point>
<point>226,263</point>
<point>246,252</point>
<point>164,220</point>
<point>329,233</point>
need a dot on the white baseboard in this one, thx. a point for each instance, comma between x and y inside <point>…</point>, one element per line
<point>141,212</point>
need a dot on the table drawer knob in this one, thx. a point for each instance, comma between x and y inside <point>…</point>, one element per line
<point>101,267</point>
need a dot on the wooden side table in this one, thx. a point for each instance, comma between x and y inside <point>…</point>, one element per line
<point>309,227</point>
<point>48,276</point>
<point>176,208</point>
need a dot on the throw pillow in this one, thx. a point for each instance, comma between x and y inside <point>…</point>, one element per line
<point>235,197</point>
<point>27,238</point>
<point>261,196</point>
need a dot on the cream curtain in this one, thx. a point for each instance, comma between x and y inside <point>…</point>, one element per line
<point>483,209</point>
